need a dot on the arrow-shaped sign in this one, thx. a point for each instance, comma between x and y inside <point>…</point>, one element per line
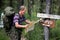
<point>48,16</point>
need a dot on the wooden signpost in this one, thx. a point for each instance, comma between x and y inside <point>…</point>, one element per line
<point>46,29</point>
<point>47,17</point>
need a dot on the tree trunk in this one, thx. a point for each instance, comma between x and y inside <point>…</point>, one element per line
<point>20,2</point>
<point>0,3</point>
<point>41,6</point>
<point>46,29</point>
<point>11,3</point>
<point>59,7</point>
<point>30,2</point>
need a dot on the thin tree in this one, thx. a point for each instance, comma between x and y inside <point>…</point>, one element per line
<point>41,6</point>
<point>20,2</point>
<point>30,3</point>
<point>11,3</point>
<point>46,29</point>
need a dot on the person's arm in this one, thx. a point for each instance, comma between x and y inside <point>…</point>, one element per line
<point>20,26</point>
<point>15,21</point>
<point>27,21</point>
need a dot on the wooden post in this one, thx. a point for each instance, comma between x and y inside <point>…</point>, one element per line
<point>46,29</point>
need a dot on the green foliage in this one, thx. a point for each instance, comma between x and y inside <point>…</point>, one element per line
<point>3,35</point>
<point>37,33</point>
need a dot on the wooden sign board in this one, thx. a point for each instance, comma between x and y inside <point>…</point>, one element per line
<point>48,16</point>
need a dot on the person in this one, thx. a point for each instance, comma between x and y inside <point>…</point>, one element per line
<point>18,19</point>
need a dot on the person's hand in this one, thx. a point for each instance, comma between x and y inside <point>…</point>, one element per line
<point>41,20</point>
<point>26,25</point>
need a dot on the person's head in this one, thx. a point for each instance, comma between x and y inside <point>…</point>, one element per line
<point>22,10</point>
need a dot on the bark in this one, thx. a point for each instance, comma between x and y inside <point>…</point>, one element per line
<point>46,29</point>
<point>10,2</point>
<point>30,2</point>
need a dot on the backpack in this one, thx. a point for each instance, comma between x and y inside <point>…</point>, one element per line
<point>8,22</point>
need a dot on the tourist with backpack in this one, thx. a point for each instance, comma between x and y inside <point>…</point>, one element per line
<point>18,19</point>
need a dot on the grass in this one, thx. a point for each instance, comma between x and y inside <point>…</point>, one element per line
<point>3,35</point>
